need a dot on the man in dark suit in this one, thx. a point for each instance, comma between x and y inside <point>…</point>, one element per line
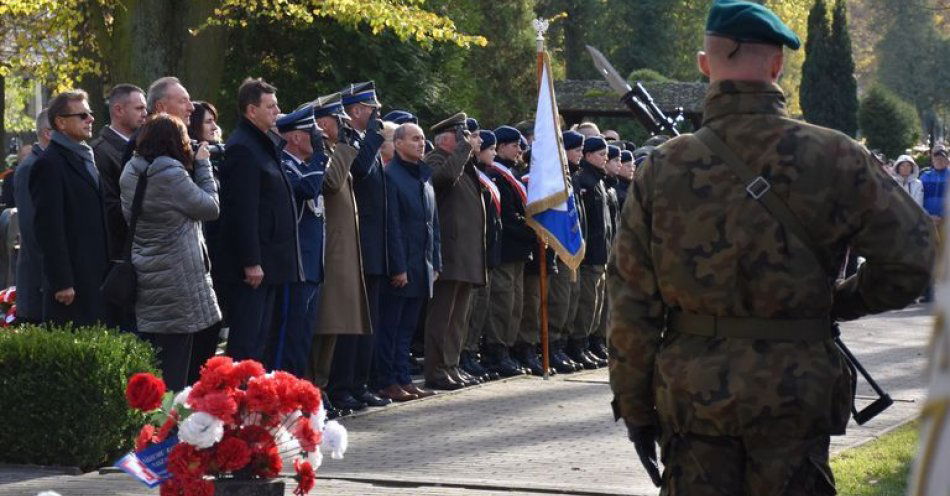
<point>126,114</point>
<point>260,252</point>
<point>69,219</point>
<point>29,271</point>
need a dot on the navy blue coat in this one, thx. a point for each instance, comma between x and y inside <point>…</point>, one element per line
<point>258,223</point>
<point>369,186</point>
<point>415,245</point>
<point>306,179</point>
<point>517,239</point>
<point>590,189</point>
<point>70,227</point>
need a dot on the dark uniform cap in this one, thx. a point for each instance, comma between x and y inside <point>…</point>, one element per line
<point>643,152</point>
<point>488,138</point>
<point>429,146</point>
<point>364,93</point>
<point>745,21</point>
<point>507,134</point>
<point>328,105</point>
<point>572,140</point>
<point>447,125</point>
<point>523,144</point>
<point>471,124</point>
<point>298,120</point>
<point>400,117</point>
<point>626,156</point>
<point>612,152</point>
<point>594,144</point>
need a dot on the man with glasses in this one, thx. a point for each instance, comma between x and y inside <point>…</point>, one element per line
<point>69,219</point>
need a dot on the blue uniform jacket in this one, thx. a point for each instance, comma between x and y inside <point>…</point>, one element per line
<point>415,246</point>
<point>306,179</point>
<point>369,186</point>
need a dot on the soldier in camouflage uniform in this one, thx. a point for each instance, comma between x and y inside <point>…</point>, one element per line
<point>720,341</point>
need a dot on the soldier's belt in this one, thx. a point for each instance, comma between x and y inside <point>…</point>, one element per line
<point>749,327</point>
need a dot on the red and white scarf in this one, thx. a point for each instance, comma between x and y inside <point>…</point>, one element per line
<point>492,189</point>
<point>513,181</point>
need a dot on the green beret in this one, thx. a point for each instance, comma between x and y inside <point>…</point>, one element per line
<point>446,125</point>
<point>749,22</point>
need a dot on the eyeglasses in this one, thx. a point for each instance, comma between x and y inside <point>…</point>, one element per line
<point>82,115</point>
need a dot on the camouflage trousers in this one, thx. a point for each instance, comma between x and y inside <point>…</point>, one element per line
<point>697,465</point>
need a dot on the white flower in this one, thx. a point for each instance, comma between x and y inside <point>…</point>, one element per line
<point>319,420</point>
<point>315,458</point>
<point>201,430</point>
<point>182,397</point>
<point>334,439</point>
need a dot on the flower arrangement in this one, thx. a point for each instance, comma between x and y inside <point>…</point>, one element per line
<point>236,422</point>
<point>8,306</point>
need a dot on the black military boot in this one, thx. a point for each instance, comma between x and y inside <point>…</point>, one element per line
<point>488,375</point>
<point>527,357</point>
<point>598,346</point>
<point>558,359</point>
<point>475,368</point>
<point>576,349</point>
<point>499,361</point>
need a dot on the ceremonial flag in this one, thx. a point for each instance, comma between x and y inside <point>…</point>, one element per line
<point>551,205</point>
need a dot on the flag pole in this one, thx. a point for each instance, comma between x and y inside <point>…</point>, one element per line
<point>541,26</point>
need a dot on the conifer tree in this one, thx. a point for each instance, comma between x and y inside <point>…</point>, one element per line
<point>841,73</point>
<point>816,94</point>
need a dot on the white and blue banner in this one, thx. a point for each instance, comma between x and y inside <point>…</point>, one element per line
<point>551,207</point>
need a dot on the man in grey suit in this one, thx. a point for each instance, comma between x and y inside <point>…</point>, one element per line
<point>29,302</point>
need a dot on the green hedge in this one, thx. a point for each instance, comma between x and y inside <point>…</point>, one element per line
<point>62,395</point>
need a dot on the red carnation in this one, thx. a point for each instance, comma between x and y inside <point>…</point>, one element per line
<point>284,385</point>
<point>216,373</point>
<point>218,403</point>
<point>144,392</point>
<point>232,454</point>
<point>273,463</point>
<point>146,436</point>
<point>186,461</point>
<point>198,487</point>
<point>255,434</point>
<point>244,370</point>
<point>172,487</point>
<point>262,396</point>
<point>307,395</point>
<point>306,477</point>
<point>170,423</point>
<point>309,438</point>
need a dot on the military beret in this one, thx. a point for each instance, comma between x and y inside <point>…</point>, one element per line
<point>298,120</point>
<point>364,93</point>
<point>745,21</point>
<point>488,138</point>
<point>594,144</point>
<point>626,156</point>
<point>400,117</point>
<point>447,125</point>
<point>429,146</point>
<point>643,152</point>
<point>471,124</point>
<point>523,143</point>
<point>612,152</point>
<point>328,105</point>
<point>507,134</point>
<point>572,140</point>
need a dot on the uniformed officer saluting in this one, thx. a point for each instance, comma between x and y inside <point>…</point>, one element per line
<point>720,346</point>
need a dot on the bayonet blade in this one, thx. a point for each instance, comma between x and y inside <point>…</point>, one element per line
<point>618,83</point>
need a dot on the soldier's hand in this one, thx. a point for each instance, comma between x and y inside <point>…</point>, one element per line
<point>461,133</point>
<point>375,125</point>
<point>644,441</point>
<point>316,141</point>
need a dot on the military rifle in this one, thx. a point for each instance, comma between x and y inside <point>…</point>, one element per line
<point>883,401</point>
<point>637,99</point>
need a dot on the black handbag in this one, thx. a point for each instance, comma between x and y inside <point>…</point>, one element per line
<point>120,285</point>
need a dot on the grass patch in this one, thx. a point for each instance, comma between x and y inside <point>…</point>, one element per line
<point>878,468</point>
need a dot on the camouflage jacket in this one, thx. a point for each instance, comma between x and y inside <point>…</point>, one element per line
<point>691,238</point>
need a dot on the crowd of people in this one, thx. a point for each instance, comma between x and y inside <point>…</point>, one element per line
<point>330,242</point>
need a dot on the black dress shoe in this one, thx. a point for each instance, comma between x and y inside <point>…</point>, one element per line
<point>598,346</point>
<point>469,378</point>
<point>576,352</point>
<point>526,356</point>
<point>346,401</point>
<point>372,399</point>
<point>443,384</point>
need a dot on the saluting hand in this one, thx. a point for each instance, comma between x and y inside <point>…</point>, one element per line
<point>253,276</point>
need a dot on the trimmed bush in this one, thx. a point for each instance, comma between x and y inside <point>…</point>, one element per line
<point>62,394</point>
<point>647,76</point>
<point>889,123</point>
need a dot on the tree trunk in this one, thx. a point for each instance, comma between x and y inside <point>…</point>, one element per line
<point>202,67</point>
<point>3,110</point>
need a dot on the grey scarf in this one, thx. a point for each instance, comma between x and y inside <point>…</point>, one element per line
<point>81,149</point>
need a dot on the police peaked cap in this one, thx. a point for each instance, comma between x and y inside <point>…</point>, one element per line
<point>447,125</point>
<point>594,144</point>
<point>328,105</point>
<point>364,93</point>
<point>507,134</point>
<point>626,156</point>
<point>488,138</point>
<point>298,120</point>
<point>750,22</point>
<point>612,152</point>
<point>572,140</point>
<point>400,117</point>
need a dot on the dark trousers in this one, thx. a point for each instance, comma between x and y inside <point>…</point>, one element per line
<point>289,348</point>
<point>445,327</point>
<point>179,353</point>
<point>353,357</point>
<point>204,345</point>
<point>399,318</point>
<point>252,317</point>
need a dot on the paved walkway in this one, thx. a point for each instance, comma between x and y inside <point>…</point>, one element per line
<point>527,436</point>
